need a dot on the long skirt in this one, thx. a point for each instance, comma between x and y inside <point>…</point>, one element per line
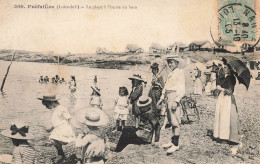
<point>213,85</point>
<point>135,109</point>
<point>226,125</point>
<point>208,87</point>
<point>155,94</point>
<point>198,87</point>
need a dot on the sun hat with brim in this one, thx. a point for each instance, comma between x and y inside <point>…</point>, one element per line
<point>144,101</point>
<point>96,89</point>
<point>95,117</point>
<point>136,77</point>
<point>172,57</point>
<point>18,132</point>
<point>49,98</point>
<point>182,62</point>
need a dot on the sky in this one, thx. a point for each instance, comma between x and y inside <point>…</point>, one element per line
<point>82,31</point>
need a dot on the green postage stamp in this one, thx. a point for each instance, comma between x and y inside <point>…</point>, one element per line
<point>237,20</point>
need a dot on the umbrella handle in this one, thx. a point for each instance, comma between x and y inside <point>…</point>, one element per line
<point>161,71</point>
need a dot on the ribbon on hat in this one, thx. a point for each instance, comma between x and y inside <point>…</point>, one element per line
<point>22,131</point>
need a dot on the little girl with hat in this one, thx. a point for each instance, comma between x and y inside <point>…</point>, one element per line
<point>95,99</point>
<point>121,108</point>
<point>23,152</point>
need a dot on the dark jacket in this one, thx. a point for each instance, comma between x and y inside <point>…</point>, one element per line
<point>156,92</point>
<point>134,96</point>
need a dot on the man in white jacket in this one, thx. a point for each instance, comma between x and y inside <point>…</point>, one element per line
<point>172,93</point>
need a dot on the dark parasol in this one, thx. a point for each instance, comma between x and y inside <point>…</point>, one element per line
<point>241,71</point>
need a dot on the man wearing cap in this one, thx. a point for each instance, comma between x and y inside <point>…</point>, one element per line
<point>172,93</point>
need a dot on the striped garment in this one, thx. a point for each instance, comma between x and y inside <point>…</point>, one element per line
<point>24,154</point>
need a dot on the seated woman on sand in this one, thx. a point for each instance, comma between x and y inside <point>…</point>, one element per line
<point>144,134</point>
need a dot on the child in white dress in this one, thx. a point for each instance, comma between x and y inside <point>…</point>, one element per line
<point>121,108</point>
<point>95,99</point>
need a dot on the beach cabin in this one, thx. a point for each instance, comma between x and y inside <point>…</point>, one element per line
<point>200,46</point>
<point>177,47</point>
<point>157,49</point>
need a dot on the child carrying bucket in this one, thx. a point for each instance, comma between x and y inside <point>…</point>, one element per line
<point>121,108</point>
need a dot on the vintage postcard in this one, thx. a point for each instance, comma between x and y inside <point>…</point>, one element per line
<point>129,81</point>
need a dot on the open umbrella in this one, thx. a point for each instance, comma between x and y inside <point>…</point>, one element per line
<point>242,72</point>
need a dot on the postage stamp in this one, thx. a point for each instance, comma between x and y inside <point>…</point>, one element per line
<point>237,20</point>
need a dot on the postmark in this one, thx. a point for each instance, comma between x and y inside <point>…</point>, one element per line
<point>237,20</point>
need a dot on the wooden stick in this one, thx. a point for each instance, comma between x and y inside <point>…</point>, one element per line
<point>3,83</point>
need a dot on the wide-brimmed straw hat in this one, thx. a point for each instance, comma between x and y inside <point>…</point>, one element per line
<point>96,89</point>
<point>136,77</point>
<point>173,57</point>
<point>95,117</point>
<point>181,62</point>
<point>50,98</point>
<point>18,131</point>
<point>144,101</point>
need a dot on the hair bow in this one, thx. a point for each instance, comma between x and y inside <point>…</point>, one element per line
<point>21,130</point>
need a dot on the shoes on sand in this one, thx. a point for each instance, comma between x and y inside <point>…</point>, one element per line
<point>168,145</point>
<point>172,149</point>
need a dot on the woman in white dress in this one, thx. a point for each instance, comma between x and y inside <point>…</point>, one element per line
<point>226,124</point>
<point>198,83</point>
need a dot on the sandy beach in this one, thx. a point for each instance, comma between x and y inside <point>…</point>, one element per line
<point>196,144</point>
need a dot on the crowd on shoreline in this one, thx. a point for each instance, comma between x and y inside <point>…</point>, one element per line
<point>163,99</point>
